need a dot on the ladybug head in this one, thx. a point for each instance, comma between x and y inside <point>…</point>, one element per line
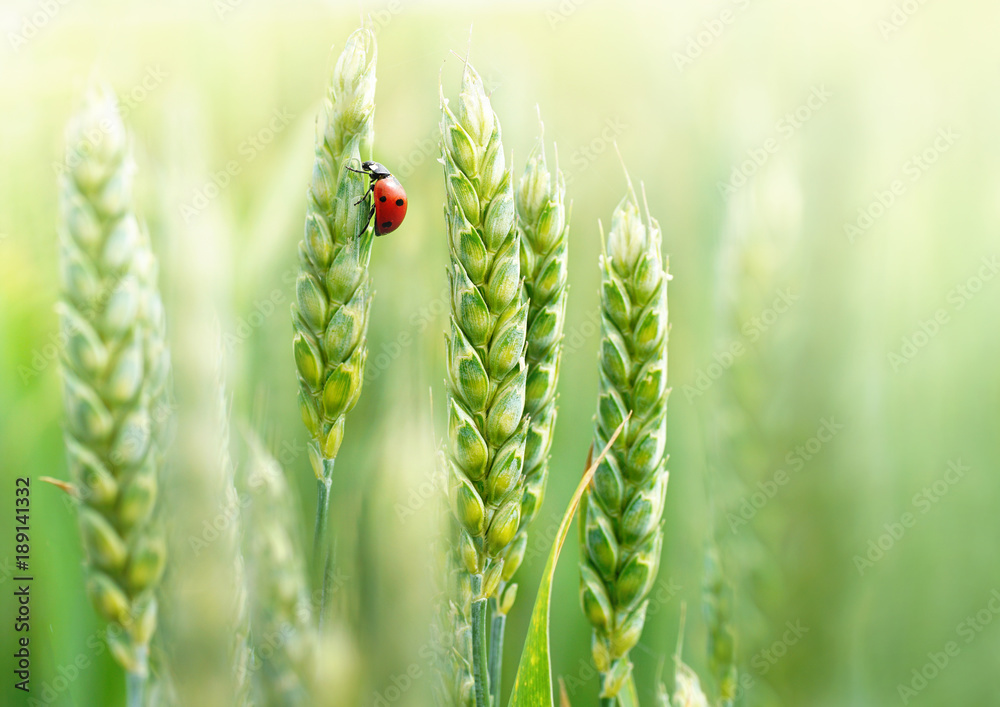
<point>375,169</point>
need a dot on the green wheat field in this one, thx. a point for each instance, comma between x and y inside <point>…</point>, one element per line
<point>825,181</point>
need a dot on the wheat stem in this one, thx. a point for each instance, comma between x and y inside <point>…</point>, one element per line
<point>497,629</point>
<point>321,544</point>
<point>479,655</point>
<point>135,680</point>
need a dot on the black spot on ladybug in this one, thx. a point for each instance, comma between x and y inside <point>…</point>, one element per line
<point>399,202</point>
<point>381,198</point>
<point>387,224</point>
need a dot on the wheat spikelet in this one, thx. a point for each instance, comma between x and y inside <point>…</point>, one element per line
<point>115,368</point>
<point>620,518</point>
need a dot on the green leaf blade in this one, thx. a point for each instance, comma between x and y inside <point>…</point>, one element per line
<point>533,684</point>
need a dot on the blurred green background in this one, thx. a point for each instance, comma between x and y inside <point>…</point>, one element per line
<point>878,115</point>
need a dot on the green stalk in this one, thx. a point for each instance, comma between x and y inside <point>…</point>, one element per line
<point>320,540</point>
<point>496,653</point>
<point>135,679</point>
<point>480,667</point>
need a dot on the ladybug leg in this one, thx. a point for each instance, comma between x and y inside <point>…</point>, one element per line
<point>371,190</point>
<point>368,220</point>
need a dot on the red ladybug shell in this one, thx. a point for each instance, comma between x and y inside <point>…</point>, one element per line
<point>390,205</point>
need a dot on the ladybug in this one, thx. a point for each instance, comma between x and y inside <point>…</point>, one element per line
<point>389,197</point>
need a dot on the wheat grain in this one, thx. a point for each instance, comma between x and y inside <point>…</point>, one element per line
<point>115,367</point>
<point>621,515</point>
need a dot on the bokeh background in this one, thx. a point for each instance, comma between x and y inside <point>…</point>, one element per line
<point>825,176</point>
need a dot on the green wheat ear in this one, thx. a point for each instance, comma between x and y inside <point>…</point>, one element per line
<point>333,291</point>
<point>115,367</point>
<point>486,369</point>
<point>487,375</point>
<point>621,514</point>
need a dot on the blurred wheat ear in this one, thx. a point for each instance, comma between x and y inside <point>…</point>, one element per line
<point>760,237</point>
<point>717,605</point>
<point>282,639</point>
<point>333,291</point>
<point>621,514</point>
<point>115,368</point>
